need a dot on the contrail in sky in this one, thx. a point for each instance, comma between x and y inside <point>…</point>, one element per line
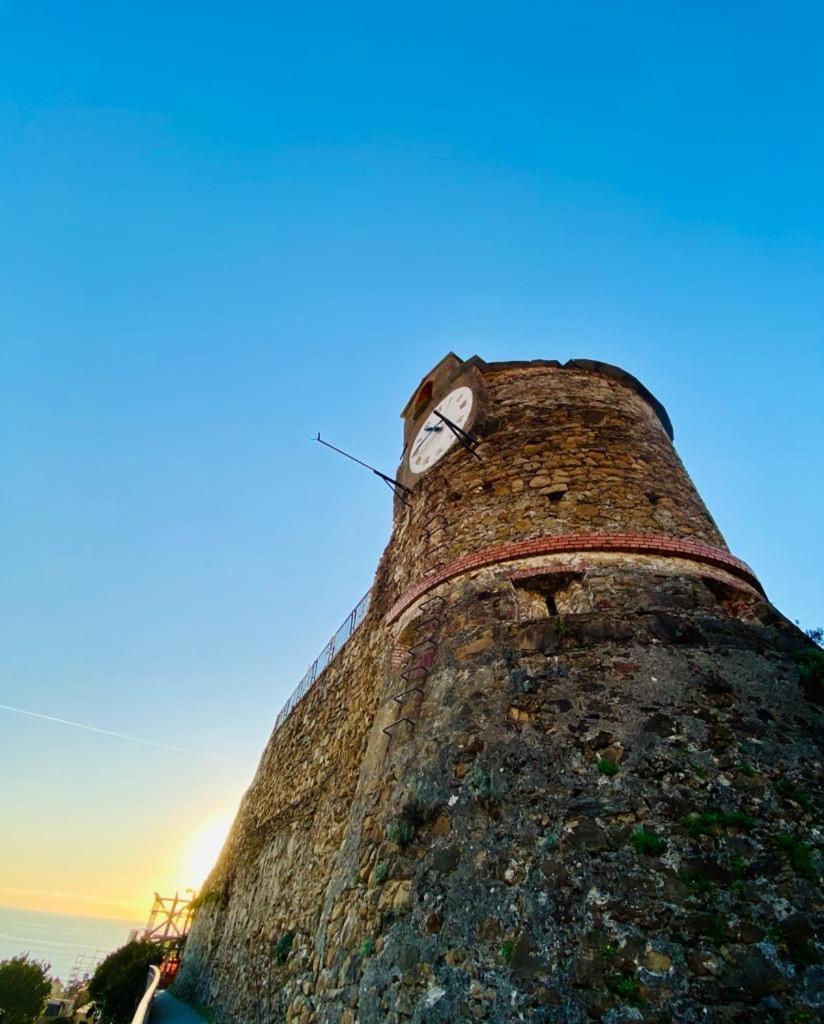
<point>107,732</point>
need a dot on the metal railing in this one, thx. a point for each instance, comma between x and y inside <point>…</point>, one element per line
<point>141,1014</point>
<point>326,656</point>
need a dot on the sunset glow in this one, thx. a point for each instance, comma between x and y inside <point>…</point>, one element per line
<point>202,849</point>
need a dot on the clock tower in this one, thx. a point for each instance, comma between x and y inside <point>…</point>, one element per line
<point>565,768</point>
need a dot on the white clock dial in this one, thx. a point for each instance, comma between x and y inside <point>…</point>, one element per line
<point>434,439</point>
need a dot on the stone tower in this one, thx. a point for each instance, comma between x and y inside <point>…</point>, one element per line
<point>565,768</point>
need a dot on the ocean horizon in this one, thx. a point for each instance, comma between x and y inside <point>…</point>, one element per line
<point>59,939</point>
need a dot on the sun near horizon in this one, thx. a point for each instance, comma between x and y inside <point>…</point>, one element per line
<point>122,897</point>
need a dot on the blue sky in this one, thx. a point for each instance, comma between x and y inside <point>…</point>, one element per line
<point>226,227</point>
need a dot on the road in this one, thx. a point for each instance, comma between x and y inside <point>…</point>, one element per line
<point>168,1010</point>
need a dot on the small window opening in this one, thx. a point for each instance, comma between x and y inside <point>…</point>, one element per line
<point>422,399</point>
<point>551,594</point>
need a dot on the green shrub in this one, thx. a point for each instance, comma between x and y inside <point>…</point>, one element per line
<point>417,807</point>
<point>810,665</point>
<point>647,842</point>
<point>811,672</point>
<point>283,947</point>
<point>626,988</point>
<point>789,792</point>
<point>607,767</point>
<point>709,822</point>
<point>479,783</point>
<point>205,898</point>
<point>506,949</point>
<point>738,866</point>
<point>367,947</point>
<point>120,980</point>
<point>799,854</point>
<point>401,831</point>
<point>24,990</point>
<point>381,873</point>
<point>698,884</point>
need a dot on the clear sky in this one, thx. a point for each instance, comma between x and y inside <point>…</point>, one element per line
<point>226,226</point>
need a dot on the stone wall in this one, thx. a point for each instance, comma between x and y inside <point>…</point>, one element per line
<point>562,786</point>
<point>563,451</point>
<point>274,871</point>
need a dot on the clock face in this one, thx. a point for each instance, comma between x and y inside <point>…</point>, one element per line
<point>434,439</point>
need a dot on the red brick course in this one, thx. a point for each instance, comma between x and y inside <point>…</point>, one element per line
<point>637,543</point>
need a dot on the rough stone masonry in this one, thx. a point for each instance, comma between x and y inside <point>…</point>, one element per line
<point>567,769</point>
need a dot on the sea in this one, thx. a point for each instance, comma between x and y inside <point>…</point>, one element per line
<point>64,941</point>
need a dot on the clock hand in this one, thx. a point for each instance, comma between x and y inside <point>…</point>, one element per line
<point>428,430</point>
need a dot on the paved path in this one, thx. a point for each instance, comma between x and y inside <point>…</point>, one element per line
<point>168,1010</point>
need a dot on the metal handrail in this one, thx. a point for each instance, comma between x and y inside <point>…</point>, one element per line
<point>325,658</point>
<point>141,1014</point>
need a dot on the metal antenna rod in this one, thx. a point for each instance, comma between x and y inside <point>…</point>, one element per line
<point>396,485</point>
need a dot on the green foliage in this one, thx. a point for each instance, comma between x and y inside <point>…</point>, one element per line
<point>418,806</point>
<point>647,842</point>
<point>414,812</point>
<point>698,884</point>
<point>283,947</point>
<point>747,769</point>
<point>608,950</point>
<point>367,947</point>
<point>550,840</point>
<point>789,792</point>
<point>738,866</point>
<point>401,831</point>
<point>120,980</point>
<point>810,663</point>
<point>381,873</point>
<point>709,822</point>
<point>205,898</point>
<point>24,990</point>
<point>506,949</point>
<point>626,988</point>
<point>607,767</point>
<point>698,771</point>
<point>479,783</point>
<point>799,854</point>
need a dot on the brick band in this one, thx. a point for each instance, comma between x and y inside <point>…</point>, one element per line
<point>637,543</point>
